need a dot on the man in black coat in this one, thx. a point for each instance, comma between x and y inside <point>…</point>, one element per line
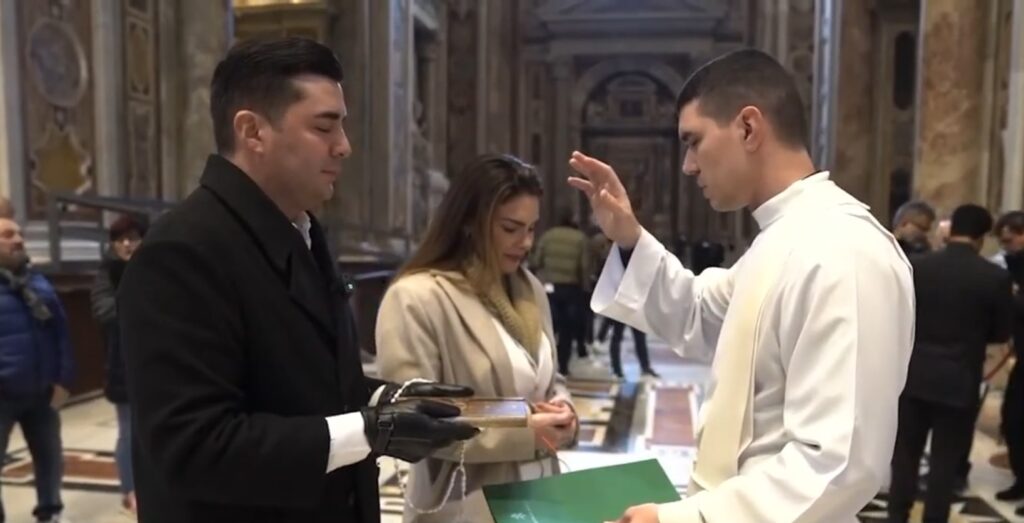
<point>963,304</point>
<point>1010,231</point>
<point>244,371</point>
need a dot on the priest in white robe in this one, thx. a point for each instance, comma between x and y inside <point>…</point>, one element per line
<point>811,329</point>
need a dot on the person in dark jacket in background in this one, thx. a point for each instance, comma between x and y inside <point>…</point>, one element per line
<point>911,225</point>
<point>125,235</point>
<point>963,304</point>
<point>1010,231</point>
<point>35,367</point>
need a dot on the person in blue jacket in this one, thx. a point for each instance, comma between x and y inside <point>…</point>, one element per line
<point>35,367</point>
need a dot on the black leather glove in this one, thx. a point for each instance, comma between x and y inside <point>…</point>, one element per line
<point>424,390</point>
<point>412,429</point>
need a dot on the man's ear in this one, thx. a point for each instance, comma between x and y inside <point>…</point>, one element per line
<point>249,131</point>
<point>753,127</point>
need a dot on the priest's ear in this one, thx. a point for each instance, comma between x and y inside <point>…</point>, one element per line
<point>251,131</point>
<point>752,127</point>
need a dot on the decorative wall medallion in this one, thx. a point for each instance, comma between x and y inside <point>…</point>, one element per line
<point>61,163</point>
<point>57,62</point>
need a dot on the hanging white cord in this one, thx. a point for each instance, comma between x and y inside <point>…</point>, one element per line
<point>460,470</point>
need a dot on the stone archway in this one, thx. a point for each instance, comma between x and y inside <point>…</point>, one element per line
<point>600,72</point>
<point>627,118</point>
<point>645,150</point>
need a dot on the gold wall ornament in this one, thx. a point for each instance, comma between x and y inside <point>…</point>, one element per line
<point>250,4</point>
<point>57,62</point>
<point>276,19</point>
<point>60,163</point>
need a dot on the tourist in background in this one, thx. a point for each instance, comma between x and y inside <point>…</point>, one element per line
<point>963,304</point>
<point>35,368</point>
<point>912,226</point>
<point>562,260</point>
<point>125,235</point>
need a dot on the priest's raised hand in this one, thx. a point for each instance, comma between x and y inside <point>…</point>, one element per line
<point>608,198</point>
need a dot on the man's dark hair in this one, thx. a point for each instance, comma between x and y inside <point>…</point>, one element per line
<point>1013,220</point>
<point>912,209</point>
<point>725,85</point>
<point>970,220</point>
<point>257,75</point>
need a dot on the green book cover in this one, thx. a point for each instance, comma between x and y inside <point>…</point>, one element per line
<point>587,496</point>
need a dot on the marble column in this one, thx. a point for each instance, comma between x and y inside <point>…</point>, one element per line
<point>402,95</point>
<point>108,66</point>
<point>463,96</point>
<point>565,121</point>
<point>380,108</point>
<point>949,144</point>
<point>480,49</point>
<point>786,31</point>
<point>349,37</point>
<point>800,50</point>
<point>1013,139</point>
<point>851,151</point>
<point>390,104</point>
<point>822,118</point>
<point>437,69</point>
<point>502,70</point>
<point>433,98</point>
<point>170,99</point>
<point>12,165</point>
<point>205,31</point>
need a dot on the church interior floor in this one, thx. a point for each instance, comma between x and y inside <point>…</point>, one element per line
<point>621,422</point>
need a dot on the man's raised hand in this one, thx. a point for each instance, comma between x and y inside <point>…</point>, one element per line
<point>608,199</point>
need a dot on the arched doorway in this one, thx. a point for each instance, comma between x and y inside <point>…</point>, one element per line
<point>629,121</point>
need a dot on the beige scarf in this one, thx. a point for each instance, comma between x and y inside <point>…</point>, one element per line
<point>515,306</point>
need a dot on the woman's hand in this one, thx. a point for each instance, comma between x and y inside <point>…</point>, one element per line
<point>554,424</point>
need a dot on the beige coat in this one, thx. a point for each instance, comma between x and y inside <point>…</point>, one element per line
<point>430,328</point>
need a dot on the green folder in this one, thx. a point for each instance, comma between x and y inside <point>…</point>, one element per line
<point>587,496</point>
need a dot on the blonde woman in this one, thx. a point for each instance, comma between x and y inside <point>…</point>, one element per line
<point>465,310</point>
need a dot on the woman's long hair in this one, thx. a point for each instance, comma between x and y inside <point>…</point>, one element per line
<point>460,236</point>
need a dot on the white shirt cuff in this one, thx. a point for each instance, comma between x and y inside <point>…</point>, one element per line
<point>348,440</point>
<point>376,395</point>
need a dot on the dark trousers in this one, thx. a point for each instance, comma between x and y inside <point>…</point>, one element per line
<point>40,424</point>
<point>587,325</point>
<point>1013,421</point>
<point>964,469</point>
<point>566,314</point>
<point>952,429</point>
<point>606,325</point>
<point>123,448</point>
<point>639,342</point>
